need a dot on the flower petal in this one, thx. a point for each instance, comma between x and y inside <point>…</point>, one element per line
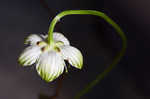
<point>29,55</point>
<point>44,36</point>
<point>50,65</point>
<point>32,39</point>
<point>73,55</point>
<point>60,37</point>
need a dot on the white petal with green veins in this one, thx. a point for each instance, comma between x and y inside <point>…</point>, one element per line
<point>60,37</point>
<point>73,55</point>
<point>32,39</point>
<point>50,65</point>
<point>29,55</point>
<point>44,36</point>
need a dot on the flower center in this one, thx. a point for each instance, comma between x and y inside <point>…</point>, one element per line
<point>45,47</point>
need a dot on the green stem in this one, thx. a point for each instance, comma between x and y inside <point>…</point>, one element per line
<point>107,19</point>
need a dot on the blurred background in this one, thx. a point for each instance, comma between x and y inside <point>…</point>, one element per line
<point>96,39</point>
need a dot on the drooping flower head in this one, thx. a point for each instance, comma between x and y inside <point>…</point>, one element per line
<point>49,58</point>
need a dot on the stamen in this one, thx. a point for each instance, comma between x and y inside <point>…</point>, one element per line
<point>38,43</point>
<point>41,43</point>
<point>57,49</point>
<point>44,48</point>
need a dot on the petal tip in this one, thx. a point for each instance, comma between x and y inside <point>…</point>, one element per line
<point>46,76</point>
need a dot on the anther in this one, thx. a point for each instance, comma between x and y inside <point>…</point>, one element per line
<point>43,49</point>
<point>38,43</point>
<point>57,49</point>
<point>41,43</point>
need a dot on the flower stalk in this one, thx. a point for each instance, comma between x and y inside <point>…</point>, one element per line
<point>109,21</point>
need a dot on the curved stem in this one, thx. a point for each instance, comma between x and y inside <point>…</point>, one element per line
<point>107,19</point>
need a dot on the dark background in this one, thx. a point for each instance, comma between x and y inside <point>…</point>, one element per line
<point>94,37</point>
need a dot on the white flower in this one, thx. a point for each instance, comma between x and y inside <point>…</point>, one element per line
<point>49,59</point>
